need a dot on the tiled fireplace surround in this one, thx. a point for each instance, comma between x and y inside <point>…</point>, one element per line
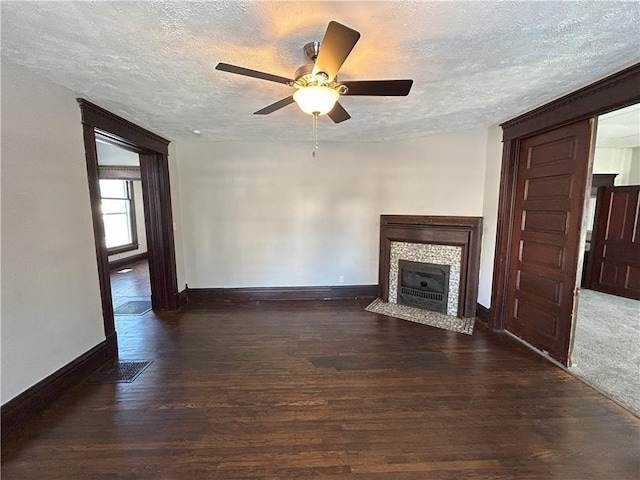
<point>427,253</point>
<point>453,241</point>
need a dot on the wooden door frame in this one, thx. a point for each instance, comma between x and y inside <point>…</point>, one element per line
<point>614,92</point>
<point>154,169</point>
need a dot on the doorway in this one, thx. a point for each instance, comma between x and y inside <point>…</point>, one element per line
<point>154,175</point>
<point>614,92</point>
<point>123,219</point>
<point>607,326</point>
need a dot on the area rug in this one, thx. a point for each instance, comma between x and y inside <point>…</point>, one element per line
<point>133,307</point>
<point>119,372</point>
<point>606,349</point>
<point>425,317</point>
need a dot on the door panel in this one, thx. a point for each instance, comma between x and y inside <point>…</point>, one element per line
<point>550,185</point>
<point>616,264</point>
<point>546,288</point>
<point>541,221</point>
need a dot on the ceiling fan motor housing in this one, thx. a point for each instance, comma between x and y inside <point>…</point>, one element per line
<point>304,77</point>
<point>304,74</point>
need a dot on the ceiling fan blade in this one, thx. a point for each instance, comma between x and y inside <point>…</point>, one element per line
<point>338,113</point>
<point>336,46</point>
<point>275,106</point>
<point>394,88</point>
<point>225,67</point>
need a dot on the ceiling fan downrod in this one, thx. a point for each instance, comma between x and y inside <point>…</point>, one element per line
<point>311,51</point>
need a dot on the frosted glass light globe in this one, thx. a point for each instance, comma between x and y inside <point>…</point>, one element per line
<point>316,99</point>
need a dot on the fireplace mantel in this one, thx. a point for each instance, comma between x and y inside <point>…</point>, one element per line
<point>464,232</point>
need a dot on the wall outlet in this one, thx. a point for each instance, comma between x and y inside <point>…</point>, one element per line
<point>341,279</point>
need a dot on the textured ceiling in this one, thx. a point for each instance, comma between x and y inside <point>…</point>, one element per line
<point>473,63</point>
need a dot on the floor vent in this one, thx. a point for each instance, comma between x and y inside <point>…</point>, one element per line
<point>133,307</point>
<point>119,372</point>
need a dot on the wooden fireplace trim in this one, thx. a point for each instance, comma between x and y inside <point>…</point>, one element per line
<point>463,232</point>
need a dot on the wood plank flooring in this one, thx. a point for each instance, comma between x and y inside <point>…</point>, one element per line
<point>283,390</point>
<point>133,285</point>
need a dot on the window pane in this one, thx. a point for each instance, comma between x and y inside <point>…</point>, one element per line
<point>113,188</point>
<point>114,206</point>
<point>117,230</point>
<point>116,213</point>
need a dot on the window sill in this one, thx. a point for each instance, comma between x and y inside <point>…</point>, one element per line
<point>122,248</point>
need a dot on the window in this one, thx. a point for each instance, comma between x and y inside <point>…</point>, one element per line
<point>118,215</point>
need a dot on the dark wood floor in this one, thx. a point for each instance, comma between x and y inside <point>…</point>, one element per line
<point>310,389</point>
<point>133,285</point>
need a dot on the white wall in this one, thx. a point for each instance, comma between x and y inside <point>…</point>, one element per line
<point>268,214</point>
<point>114,155</point>
<point>634,169</point>
<point>620,161</point>
<point>50,311</point>
<point>490,213</point>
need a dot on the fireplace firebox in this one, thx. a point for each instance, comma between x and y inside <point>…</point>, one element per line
<point>423,285</point>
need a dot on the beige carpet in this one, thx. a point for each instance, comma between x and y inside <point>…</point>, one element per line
<point>425,317</point>
<point>606,351</point>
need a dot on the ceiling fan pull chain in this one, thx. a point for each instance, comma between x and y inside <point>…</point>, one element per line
<point>315,134</point>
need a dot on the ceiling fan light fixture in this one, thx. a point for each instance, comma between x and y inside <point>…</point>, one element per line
<point>316,83</point>
<point>316,99</point>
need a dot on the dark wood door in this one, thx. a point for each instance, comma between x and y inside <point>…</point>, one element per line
<point>550,188</point>
<point>616,248</point>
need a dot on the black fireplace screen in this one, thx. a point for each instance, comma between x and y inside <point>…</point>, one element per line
<point>423,285</point>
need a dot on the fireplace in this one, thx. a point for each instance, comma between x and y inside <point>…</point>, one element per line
<point>451,241</point>
<point>423,285</point>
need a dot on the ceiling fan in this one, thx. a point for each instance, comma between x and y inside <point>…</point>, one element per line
<point>317,86</point>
